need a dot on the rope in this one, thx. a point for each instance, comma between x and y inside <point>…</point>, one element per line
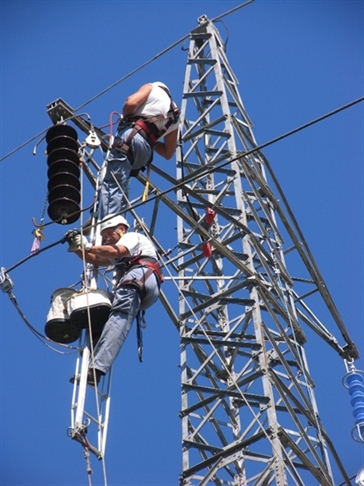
<point>207,170</point>
<point>90,334</point>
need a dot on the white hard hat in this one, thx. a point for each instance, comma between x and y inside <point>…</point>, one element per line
<point>113,221</point>
<point>162,85</point>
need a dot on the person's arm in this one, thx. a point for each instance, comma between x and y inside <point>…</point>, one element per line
<point>167,148</point>
<point>133,101</point>
<point>100,255</point>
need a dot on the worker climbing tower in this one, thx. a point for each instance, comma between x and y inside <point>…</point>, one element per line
<point>249,414</point>
<point>248,289</point>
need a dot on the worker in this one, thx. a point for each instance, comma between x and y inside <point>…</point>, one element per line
<point>149,123</point>
<point>137,284</point>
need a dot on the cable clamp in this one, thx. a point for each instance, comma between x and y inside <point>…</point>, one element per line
<point>6,283</point>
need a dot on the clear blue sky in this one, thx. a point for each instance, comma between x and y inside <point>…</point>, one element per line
<point>295,61</point>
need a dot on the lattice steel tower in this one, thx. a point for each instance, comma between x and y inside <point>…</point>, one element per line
<point>245,278</point>
<point>249,415</point>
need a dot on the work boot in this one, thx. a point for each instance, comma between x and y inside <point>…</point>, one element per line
<point>91,376</point>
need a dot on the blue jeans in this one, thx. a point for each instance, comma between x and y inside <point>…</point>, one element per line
<point>112,200</point>
<point>126,304</point>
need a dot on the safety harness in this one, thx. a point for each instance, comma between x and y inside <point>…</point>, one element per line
<point>125,266</point>
<point>147,128</point>
<point>153,266</point>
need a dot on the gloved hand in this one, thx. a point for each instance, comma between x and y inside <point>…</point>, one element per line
<point>71,234</point>
<point>78,242</point>
<point>69,237</point>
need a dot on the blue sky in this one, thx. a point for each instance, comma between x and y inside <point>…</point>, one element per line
<point>295,61</point>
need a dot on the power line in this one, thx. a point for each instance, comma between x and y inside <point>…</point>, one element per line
<point>154,58</point>
<point>172,46</point>
<point>209,167</point>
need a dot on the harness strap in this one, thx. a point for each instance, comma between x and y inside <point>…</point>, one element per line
<point>147,128</point>
<point>153,267</point>
<point>141,324</point>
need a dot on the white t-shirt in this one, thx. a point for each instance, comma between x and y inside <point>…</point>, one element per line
<point>158,104</point>
<point>137,244</point>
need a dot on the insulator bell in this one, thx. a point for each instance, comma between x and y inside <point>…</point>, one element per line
<point>64,178</point>
<point>63,174</point>
<point>61,166</point>
<point>354,382</point>
<point>60,131</point>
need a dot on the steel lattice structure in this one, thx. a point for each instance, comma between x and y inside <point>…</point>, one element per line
<point>248,408</point>
<point>245,279</point>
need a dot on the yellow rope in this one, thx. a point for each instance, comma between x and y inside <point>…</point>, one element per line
<point>146,189</point>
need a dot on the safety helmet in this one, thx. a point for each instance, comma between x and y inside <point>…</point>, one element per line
<point>113,221</point>
<point>162,85</point>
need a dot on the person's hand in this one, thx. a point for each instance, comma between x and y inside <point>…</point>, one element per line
<point>69,237</point>
<point>77,241</point>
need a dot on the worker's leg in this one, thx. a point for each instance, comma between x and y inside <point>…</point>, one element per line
<point>125,308</point>
<point>142,152</point>
<point>126,304</point>
<point>115,184</point>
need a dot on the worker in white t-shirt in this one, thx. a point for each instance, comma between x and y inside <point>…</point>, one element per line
<point>137,284</point>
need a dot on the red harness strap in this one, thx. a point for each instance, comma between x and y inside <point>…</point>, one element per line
<point>141,126</point>
<point>153,267</point>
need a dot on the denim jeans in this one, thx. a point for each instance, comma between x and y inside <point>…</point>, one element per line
<point>126,304</point>
<point>112,200</point>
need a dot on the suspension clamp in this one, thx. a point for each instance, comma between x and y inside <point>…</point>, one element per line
<point>6,283</point>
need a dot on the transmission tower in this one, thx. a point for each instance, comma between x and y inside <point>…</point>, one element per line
<point>249,415</point>
<point>245,279</point>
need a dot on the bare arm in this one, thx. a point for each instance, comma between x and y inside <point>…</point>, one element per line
<point>133,101</point>
<point>167,148</point>
<point>101,255</point>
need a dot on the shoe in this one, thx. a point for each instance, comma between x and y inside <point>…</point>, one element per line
<point>91,376</point>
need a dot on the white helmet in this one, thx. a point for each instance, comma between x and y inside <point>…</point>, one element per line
<point>162,85</point>
<point>111,221</point>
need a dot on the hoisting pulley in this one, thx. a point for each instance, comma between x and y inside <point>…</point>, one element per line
<point>93,140</point>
